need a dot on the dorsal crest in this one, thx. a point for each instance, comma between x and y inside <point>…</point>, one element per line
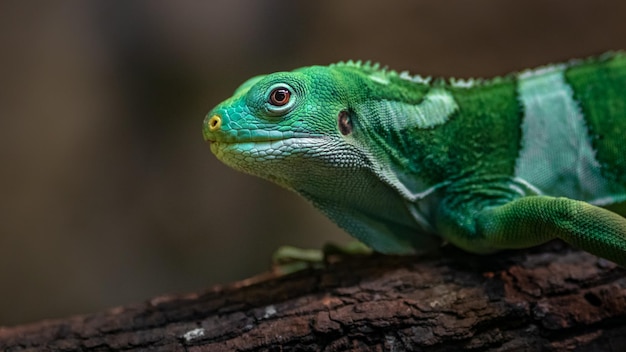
<point>381,74</point>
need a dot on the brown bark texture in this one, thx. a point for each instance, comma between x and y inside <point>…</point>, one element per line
<point>550,298</point>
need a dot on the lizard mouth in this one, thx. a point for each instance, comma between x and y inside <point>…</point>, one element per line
<point>267,148</point>
<point>282,137</point>
<point>243,141</point>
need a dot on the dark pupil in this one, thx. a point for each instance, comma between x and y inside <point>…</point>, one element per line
<point>279,96</point>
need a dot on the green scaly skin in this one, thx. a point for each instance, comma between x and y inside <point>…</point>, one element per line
<point>404,162</point>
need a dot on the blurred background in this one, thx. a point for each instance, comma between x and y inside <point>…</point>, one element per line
<point>108,194</point>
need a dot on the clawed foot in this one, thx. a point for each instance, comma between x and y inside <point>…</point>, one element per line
<point>288,259</point>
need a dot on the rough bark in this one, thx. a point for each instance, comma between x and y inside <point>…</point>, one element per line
<point>550,299</point>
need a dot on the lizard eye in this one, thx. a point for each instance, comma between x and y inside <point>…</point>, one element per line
<point>280,99</point>
<point>279,96</point>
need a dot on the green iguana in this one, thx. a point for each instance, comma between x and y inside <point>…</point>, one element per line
<point>404,163</point>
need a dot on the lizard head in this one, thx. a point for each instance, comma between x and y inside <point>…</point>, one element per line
<point>324,133</point>
<point>286,126</point>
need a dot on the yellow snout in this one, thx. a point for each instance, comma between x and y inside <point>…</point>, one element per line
<point>215,123</point>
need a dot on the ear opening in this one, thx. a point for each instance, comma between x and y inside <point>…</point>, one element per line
<point>344,122</point>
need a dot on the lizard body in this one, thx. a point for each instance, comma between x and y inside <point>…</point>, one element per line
<point>404,162</point>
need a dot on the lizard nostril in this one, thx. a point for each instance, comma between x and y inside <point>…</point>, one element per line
<point>215,122</point>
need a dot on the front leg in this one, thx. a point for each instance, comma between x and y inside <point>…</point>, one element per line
<point>532,220</point>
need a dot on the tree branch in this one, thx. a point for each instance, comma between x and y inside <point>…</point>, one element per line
<point>550,298</point>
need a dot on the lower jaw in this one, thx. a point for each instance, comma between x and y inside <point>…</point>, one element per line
<point>265,150</point>
<point>248,152</point>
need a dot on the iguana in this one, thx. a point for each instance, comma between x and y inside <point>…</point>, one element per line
<point>404,162</point>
